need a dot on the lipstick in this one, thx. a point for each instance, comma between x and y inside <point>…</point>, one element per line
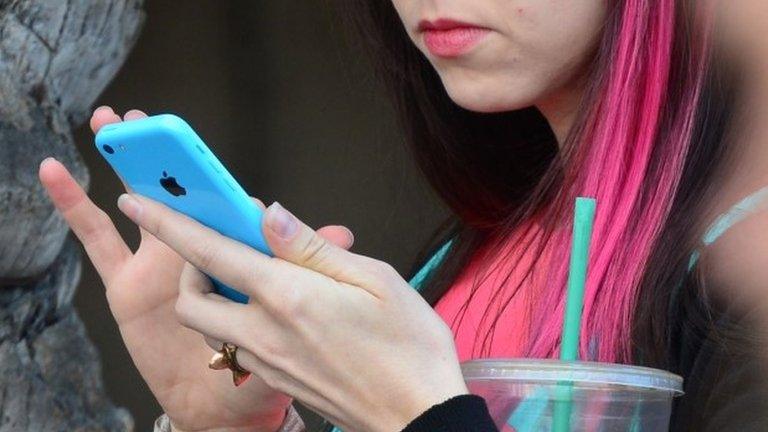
<point>450,38</point>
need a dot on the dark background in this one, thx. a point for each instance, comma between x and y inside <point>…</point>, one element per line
<point>276,90</point>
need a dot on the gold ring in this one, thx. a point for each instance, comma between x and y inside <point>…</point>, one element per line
<point>226,358</point>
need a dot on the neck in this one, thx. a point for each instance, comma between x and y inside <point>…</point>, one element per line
<point>751,153</point>
<point>745,171</point>
<point>560,111</point>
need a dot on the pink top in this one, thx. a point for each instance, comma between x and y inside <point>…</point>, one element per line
<point>479,295</point>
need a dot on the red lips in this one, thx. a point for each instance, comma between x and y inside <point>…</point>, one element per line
<point>450,38</point>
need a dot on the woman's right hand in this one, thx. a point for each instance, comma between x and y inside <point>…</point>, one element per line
<point>141,289</point>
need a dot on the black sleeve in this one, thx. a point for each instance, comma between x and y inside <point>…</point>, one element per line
<point>465,413</point>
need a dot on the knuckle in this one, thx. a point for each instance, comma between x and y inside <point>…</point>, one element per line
<point>154,226</point>
<point>100,222</point>
<point>202,254</point>
<point>381,270</point>
<point>252,278</point>
<point>315,250</point>
<point>292,304</point>
<point>182,309</point>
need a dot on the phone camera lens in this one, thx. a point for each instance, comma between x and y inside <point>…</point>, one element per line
<point>108,148</point>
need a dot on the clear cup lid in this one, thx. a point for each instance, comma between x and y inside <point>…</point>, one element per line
<point>580,372</point>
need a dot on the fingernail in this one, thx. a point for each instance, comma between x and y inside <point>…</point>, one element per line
<point>280,221</point>
<point>46,161</point>
<point>351,236</point>
<point>102,108</point>
<point>130,206</point>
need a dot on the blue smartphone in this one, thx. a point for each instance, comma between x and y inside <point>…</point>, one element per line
<point>161,157</point>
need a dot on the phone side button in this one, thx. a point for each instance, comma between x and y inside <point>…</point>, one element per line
<point>229,184</point>
<point>215,168</point>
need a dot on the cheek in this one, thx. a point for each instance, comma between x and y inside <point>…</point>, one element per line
<point>407,10</point>
<point>561,29</point>
<point>548,43</point>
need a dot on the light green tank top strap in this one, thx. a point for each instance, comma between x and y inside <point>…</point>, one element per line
<point>754,203</point>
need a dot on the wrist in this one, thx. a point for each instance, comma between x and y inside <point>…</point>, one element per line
<point>433,398</point>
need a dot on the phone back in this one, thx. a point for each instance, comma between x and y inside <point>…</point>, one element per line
<point>161,157</point>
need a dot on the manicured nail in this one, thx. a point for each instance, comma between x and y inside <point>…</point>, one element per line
<point>280,221</point>
<point>130,206</point>
<point>103,108</point>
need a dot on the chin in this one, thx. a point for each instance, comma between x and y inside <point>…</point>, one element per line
<point>489,95</point>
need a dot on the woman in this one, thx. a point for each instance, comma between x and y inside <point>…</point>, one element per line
<point>513,108</point>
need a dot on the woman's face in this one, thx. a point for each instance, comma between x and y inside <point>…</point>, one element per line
<point>500,55</point>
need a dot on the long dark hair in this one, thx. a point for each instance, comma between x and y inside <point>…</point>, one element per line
<point>497,171</point>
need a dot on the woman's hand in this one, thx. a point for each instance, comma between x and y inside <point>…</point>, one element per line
<point>142,289</point>
<point>340,332</point>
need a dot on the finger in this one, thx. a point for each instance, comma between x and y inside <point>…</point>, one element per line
<point>219,319</point>
<point>295,242</point>
<point>229,261</point>
<point>103,244</point>
<point>197,308</point>
<point>213,343</point>
<point>285,382</point>
<point>273,376</point>
<point>273,283</point>
<point>259,203</point>
<point>134,114</point>
<point>102,116</point>
<point>339,235</point>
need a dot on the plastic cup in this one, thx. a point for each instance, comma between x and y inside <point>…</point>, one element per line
<point>524,394</point>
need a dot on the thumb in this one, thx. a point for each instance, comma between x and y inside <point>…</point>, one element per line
<point>293,241</point>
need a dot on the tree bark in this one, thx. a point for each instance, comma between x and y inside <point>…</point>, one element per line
<point>56,57</point>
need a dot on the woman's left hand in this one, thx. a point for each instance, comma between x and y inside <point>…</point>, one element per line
<point>340,332</point>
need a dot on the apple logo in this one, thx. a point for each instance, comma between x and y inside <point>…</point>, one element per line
<point>171,185</point>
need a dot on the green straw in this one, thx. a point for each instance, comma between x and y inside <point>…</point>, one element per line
<point>584,218</point>
<point>583,221</point>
